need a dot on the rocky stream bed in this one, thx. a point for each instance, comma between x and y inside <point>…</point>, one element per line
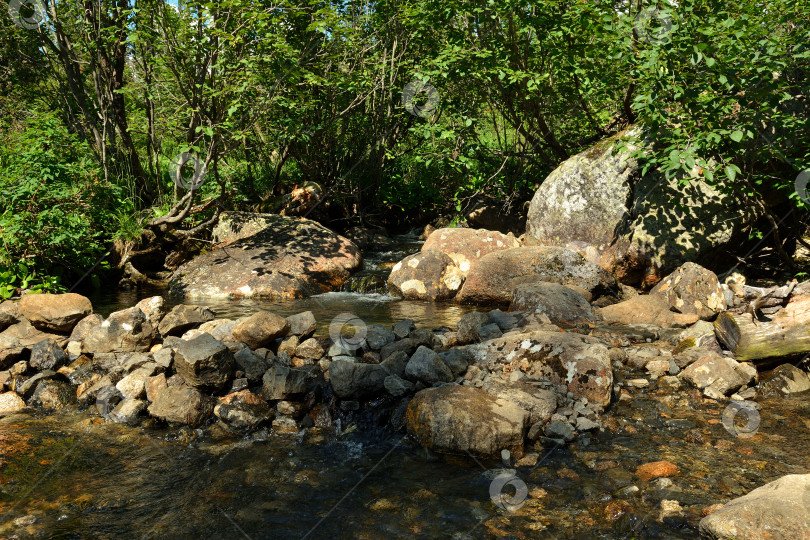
<point>587,379</point>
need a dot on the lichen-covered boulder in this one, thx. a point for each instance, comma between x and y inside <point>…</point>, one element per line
<point>581,203</point>
<point>427,275</point>
<point>562,305</point>
<point>465,246</point>
<point>285,258</point>
<point>580,362</point>
<point>494,277</point>
<point>460,419</point>
<point>692,289</point>
<point>639,228</point>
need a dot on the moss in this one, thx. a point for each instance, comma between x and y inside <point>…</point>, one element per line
<point>683,345</point>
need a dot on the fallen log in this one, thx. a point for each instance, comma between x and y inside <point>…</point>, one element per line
<point>786,334</point>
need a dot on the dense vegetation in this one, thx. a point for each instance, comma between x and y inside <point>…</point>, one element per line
<point>398,111</point>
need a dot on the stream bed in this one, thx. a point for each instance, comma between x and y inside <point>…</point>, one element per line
<point>72,475</point>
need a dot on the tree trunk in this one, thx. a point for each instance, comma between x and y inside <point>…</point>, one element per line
<point>786,334</point>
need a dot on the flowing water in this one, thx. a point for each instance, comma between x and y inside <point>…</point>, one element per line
<point>70,475</point>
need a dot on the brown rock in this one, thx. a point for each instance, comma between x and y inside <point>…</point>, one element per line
<point>494,277</point>
<point>646,309</point>
<point>776,510</point>
<point>465,246</point>
<point>181,404</point>
<point>464,419</point>
<point>563,305</point>
<point>182,318</point>
<point>55,312</point>
<point>427,275</point>
<point>656,469</point>
<point>10,402</point>
<point>694,290</point>
<point>260,329</point>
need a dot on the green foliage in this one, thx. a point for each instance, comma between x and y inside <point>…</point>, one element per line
<point>55,206</point>
<point>274,95</point>
<point>725,94</point>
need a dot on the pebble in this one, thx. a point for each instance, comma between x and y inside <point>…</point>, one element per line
<point>670,509</point>
<point>656,469</point>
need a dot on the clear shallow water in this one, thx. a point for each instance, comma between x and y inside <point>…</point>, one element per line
<point>68,476</point>
<point>373,308</point>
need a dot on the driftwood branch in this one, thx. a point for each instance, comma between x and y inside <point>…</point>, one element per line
<point>787,333</point>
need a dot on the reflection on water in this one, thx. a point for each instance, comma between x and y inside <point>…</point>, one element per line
<point>371,301</point>
<point>372,308</point>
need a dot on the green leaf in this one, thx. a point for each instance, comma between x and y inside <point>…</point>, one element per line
<point>730,172</point>
<point>737,136</point>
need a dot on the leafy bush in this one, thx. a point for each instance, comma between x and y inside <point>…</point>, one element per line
<point>56,206</point>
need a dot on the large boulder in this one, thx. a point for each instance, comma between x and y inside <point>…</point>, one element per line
<point>127,330</point>
<point>580,362</point>
<point>465,246</point>
<point>780,509</point>
<point>55,312</point>
<point>494,277</point>
<point>639,228</point>
<point>460,419</point>
<point>204,362</point>
<point>287,258</point>
<point>692,289</point>
<point>427,275</point>
<point>562,305</point>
